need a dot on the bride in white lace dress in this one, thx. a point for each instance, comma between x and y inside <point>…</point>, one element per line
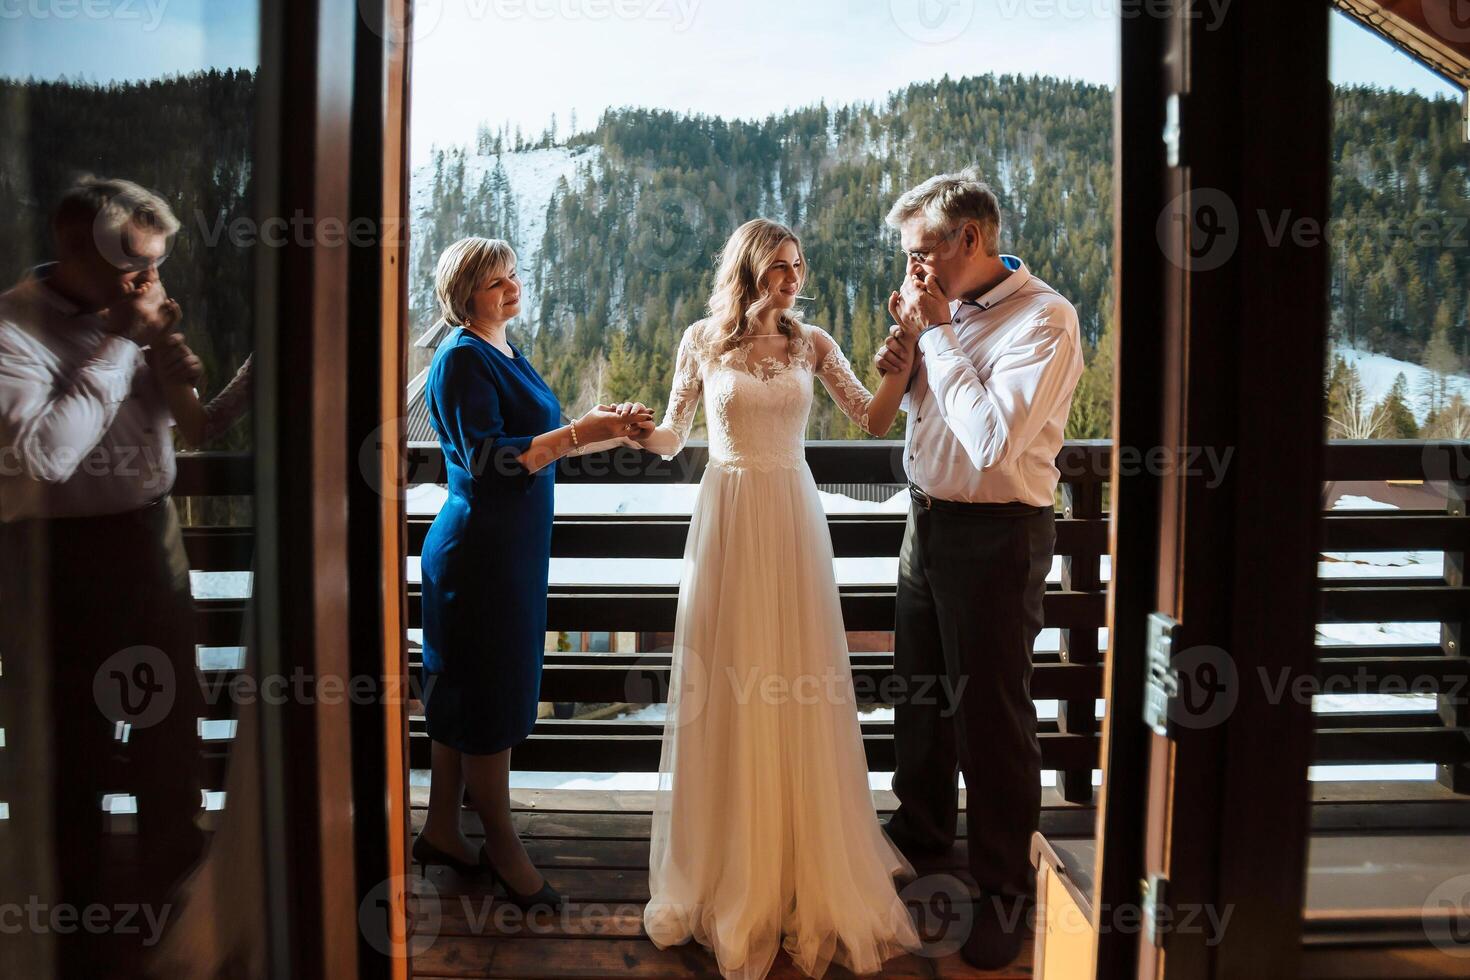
<point>765,834</point>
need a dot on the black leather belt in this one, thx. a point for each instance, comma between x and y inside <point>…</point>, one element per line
<point>1011,508</point>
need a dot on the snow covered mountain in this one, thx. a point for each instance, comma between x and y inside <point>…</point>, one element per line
<point>533,176</point>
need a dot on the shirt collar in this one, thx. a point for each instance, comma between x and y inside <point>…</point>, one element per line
<point>961,308</point>
<point>41,276</point>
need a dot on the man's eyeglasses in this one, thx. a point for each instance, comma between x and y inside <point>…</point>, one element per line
<point>139,263</point>
<point>923,254</point>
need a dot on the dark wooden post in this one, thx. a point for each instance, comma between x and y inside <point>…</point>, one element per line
<point>1134,515</point>
<point>1080,501</point>
<point>1454,704</point>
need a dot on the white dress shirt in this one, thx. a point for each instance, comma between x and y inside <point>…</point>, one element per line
<point>84,427</point>
<point>988,405</point>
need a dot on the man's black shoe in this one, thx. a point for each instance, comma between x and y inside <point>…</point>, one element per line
<point>999,931</point>
<point>911,848</point>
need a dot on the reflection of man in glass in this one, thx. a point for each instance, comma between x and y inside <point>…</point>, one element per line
<point>99,691</point>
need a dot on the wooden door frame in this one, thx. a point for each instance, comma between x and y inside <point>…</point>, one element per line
<point>376,506</point>
<point>1235,564</point>
<point>1245,338</point>
<point>329,593</point>
<point>1138,309</point>
<point>378,273</point>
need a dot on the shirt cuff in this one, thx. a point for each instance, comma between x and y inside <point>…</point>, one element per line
<point>118,359</point>
<point>940,340</point>
<point>118,351</point>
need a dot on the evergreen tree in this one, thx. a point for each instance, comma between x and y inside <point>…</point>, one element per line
<point>1398,419</point>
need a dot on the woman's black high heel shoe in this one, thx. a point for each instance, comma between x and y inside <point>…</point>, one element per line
<point>545,898</point>
<point>425,853</point>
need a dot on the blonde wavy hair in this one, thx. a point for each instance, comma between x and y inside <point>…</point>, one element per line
<point>737,299</point>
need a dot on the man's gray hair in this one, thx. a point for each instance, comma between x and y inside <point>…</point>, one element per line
<point>109,206</point>
<point>946,200</point>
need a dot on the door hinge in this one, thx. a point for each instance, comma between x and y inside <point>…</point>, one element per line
<point>1155,899</point>
<point>1161,680</point>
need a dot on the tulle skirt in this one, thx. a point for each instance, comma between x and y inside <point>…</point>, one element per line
<point>765,835</point>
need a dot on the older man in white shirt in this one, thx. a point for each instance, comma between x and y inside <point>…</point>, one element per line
<point>998,358</point>
<point>99,693</point>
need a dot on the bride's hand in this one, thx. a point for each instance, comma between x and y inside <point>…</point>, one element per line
<point>639,418</point>
<point>627,420</point>
<point>898,351</point>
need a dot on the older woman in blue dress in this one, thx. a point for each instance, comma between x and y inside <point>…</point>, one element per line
<point>486,558</point>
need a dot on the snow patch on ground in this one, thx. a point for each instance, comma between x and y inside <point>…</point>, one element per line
<point>1377,372</point>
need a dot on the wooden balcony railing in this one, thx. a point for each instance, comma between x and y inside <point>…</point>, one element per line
<point>1076,606</point>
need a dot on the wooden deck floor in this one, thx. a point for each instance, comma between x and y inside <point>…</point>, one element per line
<point>593,847</point>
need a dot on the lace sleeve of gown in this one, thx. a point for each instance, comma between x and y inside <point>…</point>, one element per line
<point>846,389</point>
<point>684,397</point>
<point>230,405</point>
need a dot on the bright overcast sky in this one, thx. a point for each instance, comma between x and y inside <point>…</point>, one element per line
<point>734,58</point>
<point>520,61</point>
<point>748,58</point>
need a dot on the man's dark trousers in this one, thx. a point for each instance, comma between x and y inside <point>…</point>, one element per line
<point>969,608</point>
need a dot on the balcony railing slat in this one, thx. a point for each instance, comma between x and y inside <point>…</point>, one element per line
<point>1081,574</point>
<point>637,748</point>
<point>220,549</point>
<point>215,475</point>
<point>646,681</point>
<point>1364,746</point>
<point>1399,532</point>
<point>653,609</point>
<point>862,461</point>
<point>1393,603</point>
<point>1370,460</point>
<point>664,536</point>
<point>1454,706</point>
<point>839,461</point>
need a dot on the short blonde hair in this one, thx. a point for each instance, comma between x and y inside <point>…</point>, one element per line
<point>463,268</point>
<point>945,200</point>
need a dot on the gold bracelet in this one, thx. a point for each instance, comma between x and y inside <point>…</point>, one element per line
<point>575,443</point>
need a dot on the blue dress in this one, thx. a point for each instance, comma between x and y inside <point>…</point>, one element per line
<point>487,555</point>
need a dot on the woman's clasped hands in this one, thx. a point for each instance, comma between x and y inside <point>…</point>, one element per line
<point>624,420</point>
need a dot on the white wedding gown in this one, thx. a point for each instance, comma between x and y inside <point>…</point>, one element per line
<point>764,831</point>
